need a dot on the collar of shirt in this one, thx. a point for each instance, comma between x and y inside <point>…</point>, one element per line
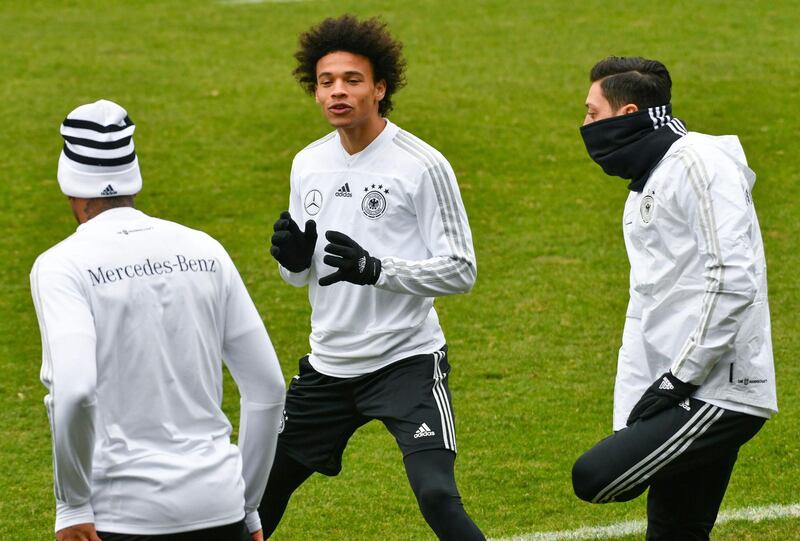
<point>389,131</point>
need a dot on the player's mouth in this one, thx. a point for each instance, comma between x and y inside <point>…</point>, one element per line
<point>340,108</point>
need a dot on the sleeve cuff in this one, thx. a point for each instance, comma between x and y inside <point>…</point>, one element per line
<point>253,521</point>
<point>70,515</point>
<point>297,279</point>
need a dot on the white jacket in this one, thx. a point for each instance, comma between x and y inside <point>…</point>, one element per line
<point>698,282</point>
<point>136,315</point>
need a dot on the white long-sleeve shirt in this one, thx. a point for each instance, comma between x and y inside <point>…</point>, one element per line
<point>136,315</point>
<point>698,282</point>
<point>399,199</point>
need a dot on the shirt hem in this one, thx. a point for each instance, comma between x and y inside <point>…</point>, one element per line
<point>138,529</point>
<point>324,367</point>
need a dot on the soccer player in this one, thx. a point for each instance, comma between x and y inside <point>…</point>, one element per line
<point>136,314</point>
<point>695,376</point>
<point>397,237</point>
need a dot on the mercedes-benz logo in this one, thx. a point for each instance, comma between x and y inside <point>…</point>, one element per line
<point>313,202</point>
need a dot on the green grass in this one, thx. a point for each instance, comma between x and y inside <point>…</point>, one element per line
<point>498,87</point>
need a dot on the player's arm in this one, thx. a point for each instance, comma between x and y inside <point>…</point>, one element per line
<point>719,213</point>
<point>292,248</point>
<point>69,371</point>
<point>444,229</point>
<point>251,359</point>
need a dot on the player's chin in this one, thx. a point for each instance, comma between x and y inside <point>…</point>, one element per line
<point>340,120</point>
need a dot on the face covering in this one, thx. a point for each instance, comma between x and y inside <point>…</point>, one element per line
<point>630,146</point>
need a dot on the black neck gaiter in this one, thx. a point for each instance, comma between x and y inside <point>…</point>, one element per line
<point>630,146</point>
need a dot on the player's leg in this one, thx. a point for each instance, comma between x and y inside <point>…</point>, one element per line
<point>432,478</point>
<point>285,477</point>
<point>684,505</point>
<point>660,449</point>
<point>412,398</point>
<point>319,419</point>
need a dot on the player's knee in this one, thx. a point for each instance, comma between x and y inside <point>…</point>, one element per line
<point>435,500</point>
<point>585,479</point>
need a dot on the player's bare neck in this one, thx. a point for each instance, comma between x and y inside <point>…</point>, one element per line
<point>86,209</point>
<point>356,138</point>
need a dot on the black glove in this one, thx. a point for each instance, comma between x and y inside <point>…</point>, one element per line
<point>290,246</point>
<point>354,262</point>
<point>666,392</point>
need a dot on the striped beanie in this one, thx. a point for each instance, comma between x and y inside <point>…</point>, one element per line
<point>98,158</point>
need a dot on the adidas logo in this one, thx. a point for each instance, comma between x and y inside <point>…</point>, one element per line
<point>666,385</point>
<point>362,264</point>
<point>108,190</point>
<point>423,431</point>
<point>685,405</point>
<point>344,191</point>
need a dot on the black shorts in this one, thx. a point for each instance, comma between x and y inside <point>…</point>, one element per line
<point>411,397</point>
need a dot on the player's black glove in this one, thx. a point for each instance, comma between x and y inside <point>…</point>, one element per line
<point>666,392</point>
<point>290,246</point>
<point>354,262</point>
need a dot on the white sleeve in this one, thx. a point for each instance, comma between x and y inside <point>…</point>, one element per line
<point>69,372</point>
<point>444,228</point>
<point>719,213</point>
<point>297,279</point>
<point>251,359</point>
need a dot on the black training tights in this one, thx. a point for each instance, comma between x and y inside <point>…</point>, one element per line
<point>432,480</point>
<point>434,484</point>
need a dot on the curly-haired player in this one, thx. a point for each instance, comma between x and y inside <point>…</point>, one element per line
<point>397,237</point>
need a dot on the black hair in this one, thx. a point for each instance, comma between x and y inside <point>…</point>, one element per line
<point>369,38</point>
<point>633,79</point>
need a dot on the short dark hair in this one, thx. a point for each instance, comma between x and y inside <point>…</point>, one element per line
<point>369,38</point>
<point>633,79</point>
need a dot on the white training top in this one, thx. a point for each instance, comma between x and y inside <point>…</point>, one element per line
<point>135,315</point>
<point>398,198</point>
<point>698,282</point>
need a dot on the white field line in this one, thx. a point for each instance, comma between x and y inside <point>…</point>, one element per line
<point>750,514</point>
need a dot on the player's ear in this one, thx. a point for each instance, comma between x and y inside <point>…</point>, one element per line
<point>380,90</point>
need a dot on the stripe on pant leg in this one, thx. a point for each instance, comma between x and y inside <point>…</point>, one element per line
<point>662,455</point>
<point>448,412</point>
<point>675,452</point>
<point>443,404</point>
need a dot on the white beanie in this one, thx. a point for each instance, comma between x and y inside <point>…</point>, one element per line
<point>98,158</point>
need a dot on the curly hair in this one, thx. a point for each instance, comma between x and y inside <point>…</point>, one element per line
<point>369,38</point>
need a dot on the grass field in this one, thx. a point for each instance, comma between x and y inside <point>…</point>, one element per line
<point>498,86</point>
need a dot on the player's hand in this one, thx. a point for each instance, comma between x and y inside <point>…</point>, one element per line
<point>257,536</point>
<point>666,392</point>
<point>291,247</point>
<point>78,532</point>
<point>353,262</point>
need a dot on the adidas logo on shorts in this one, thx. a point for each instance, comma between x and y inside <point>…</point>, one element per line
<point>344,191</point>
<point>423,431</point>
